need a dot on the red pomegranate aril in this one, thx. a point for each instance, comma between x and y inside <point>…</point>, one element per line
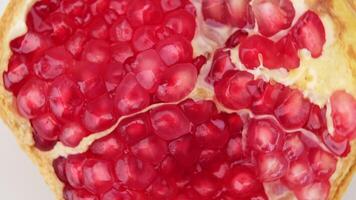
<point>114,74</point>
<point>98,28</point>
<point>241,181</point>
<point>236,38</point>
<point>221,64</point>
<point>198,111</point>
<point>252,47</point>
<point>322,163</point>
<point>235,123</point>
<point>338,148</point>
<point>109,147</point>
<point>219,168</point>
<point>181,22</point>
<point>46,127</point>
<point>161,189</point>
<point>53,63</point>
<point>163,32</point>
<point>265,135</point>
<point>232,91</point>
<point>199,62</point>
<point>62,26</point>
<point>142,12</point>
<point>17,72</point>
<point>293,111</point>
<point>65,98</point>
<point>121,51</point>
<point>119,6</point>
<point>185,150</point>
<point>343,113</point>
<point>317,119</point>
<point>134,173</point>
<point>151,149</point>
<point>288,52</point>
<point>73,194</point>
<point>144,38</point>
<point>73,7</point>
<point>135,128</point>
<point>121,31</point>
<point>273,16</point>
<point>169,122</point>
<point>234,148</point>
<point>110,17</point>
<point>32,98</point>
<point>99,114</point>
<point>35,22</point>
<point>130,96</point>
<point>205,185</point>
<point>309,33</point>
<point>317,190</point>
<point>256,88</point>
<point>268,100</point>
<point>209,156</point>
<point>215,11</point>
<point>177,82</point>
<point>240,13</point>
<point>175,49</point>
<point>59,168</point>
<point>299,174</point>
<point>75,43</point>
<point>212,134</point>
<point>73,171</point>
<point>293,146</point>
<point>114,194</point>
<point>98,7</point>
<point>169,5</point>
<point>148,67</point>
<point>42,144</point>
<point>272,166</point>
<point>28,43</point>
<point>72,133</point>
<point>97,176</point>
<point>96,51</point>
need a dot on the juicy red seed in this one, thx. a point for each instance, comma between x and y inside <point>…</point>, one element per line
<point>108,147</point>
<point>72,194</point>
<point>169,122</point>
<point>215,10</point>
<point>98,28</point>
<point>175,49</point>
<point>322,163</point>
<point>151,149</point>
<point>97,176</point>
<point>293,146</point>
<point>161,189</point>
<point>316,190</point>
<point>275,159</point>
<point>234,148</point>
<point>114,74</point>
<point>59,168</point>
<point>135,128</point>
<point>212,134</point>
<point>177,82</point>
<point>205,185</point>
<point>198,111</point>
<point>240,13</point>
<point>46,126</point>
<point>130,96</point>
<point>181,22</point>
<point>42,144</point>
<point>221,64</point>
<point>62,26</point>
<point>273,16</point>
<point>99,6</point>
<point>144,38</point>
<point>185,150</point>
<point>343,113</point>
<point>135,173</point>
<point>235,124</point>
<point>317,119</point>
<point>338,148</point>
<point>241,181</point>
<point>96,51</point>
<point>168,5</point>
<point>121,31</point>
<point>16,73</point>
<point>232,91</point>
<point>32,98</point>
<point>72,133</point>
<point>265,135</point>
<point>293,111</point>
<point>268,99</point>
<point>309,33</point>
<point>114,194</point>
<point>236,38</point>
<point>120,7</point>
<point>199,62</point>
<point>75,44</point>
<point>299,173</point>
<point>73,171</point>
<point>142,12</point>
<point>73,8</point>
<point>65,98</point>
<point>121,51</point>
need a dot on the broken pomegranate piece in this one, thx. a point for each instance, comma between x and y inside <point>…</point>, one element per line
<point>177,115</point>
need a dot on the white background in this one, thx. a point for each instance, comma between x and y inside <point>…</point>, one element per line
<point>20,179</point>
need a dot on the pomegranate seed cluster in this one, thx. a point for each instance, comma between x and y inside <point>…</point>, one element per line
<point>85,65</point>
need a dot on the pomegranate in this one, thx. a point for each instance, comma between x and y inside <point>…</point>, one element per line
<point>177,122</point>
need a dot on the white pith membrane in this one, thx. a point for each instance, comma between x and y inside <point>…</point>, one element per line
<point>310,77</point>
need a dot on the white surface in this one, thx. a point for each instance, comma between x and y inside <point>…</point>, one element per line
<point>20,179</point>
